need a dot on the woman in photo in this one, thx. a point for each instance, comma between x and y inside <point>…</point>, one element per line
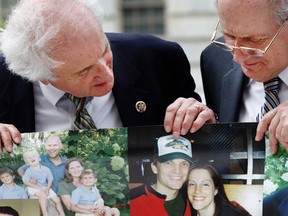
<point>207,195</point>
<point>73,170</point>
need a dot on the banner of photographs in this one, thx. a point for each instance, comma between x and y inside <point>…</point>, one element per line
<point>121,162</point>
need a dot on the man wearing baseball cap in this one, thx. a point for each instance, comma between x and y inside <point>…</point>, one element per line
<point>171,165</point>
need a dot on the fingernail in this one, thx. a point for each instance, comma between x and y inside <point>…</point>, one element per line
<point>192,130</point>
<point>176,134</point>
<point>183,131</point>
<point>9,148</point>
<point>17,140</point>
<point>167,128</point>
<point>256,138</point>
<point>273,149</point>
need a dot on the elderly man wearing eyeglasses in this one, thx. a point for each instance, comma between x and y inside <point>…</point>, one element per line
<point>250,82</point>
<point>245,68</point>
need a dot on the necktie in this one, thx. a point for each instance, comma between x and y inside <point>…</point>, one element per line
<point>82,118</point>
<point>271,88</point>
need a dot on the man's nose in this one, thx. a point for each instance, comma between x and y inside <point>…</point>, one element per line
<point>177,168</point>
<point>238,56</point>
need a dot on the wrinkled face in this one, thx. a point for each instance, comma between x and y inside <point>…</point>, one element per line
<point>6,178</point>
<point>87,70</point>
<point>88,180</point>
<point>52,148</point>
<point>201,190</point>
<point>252,24</point>
<point>75,169</point>
<point>171,175</point>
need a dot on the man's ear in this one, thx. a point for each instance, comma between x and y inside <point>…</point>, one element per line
<point>45,82</point>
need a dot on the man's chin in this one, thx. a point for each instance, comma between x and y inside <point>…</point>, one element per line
<point>53,155</point>
<point>96,92</point>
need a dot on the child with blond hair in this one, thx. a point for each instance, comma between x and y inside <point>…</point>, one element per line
<point>43,177</point>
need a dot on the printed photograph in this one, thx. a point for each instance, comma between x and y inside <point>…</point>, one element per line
<point>136,171</point>
<point>275,188</point>
<point>69,173</point>
<point>19,207</point>
<point>220,164</point>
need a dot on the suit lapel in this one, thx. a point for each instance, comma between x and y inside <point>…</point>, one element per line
<point>126,93</point>
<point>232,94</point>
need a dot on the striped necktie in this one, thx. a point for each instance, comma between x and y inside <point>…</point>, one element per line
<point>82,118</point>
<point>271,88</point>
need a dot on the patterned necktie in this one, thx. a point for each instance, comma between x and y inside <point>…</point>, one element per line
<point>82,118</point>
<point>271,88</point>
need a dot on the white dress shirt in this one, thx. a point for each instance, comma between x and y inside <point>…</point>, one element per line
<point>253,97</point>
<point>53,112</point>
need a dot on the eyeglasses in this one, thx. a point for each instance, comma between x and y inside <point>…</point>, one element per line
<point>246,50</point>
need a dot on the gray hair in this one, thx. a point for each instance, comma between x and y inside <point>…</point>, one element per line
<point>37,27</point>
<point>280,9</point>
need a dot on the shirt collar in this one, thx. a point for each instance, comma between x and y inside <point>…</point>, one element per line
<point>52,94</point>
<point>284,76</point>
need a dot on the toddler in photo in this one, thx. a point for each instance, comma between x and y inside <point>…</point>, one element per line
<point>87,197</point>
<point>43,177</point>
<point>10,190</point>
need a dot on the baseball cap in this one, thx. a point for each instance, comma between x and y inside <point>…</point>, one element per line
<point>169,148</point>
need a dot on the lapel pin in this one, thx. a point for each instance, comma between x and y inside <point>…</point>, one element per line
<point>140,106</point>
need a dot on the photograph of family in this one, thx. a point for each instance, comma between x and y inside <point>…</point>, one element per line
<point>68,173</point>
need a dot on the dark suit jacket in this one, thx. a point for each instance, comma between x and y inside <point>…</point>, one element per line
<point>223,83</point>
<point>146,68</point>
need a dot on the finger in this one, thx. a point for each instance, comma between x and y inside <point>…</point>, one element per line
<point>15,134</point>
<point>12,130</point>
<point>171,113</point>
<point>284,135</point>
<point>263,125</point>
<point>273,127</point>
<point>0,147</point>
<point>205,116</point>
<point>185,117</point>
<point>273,143</point>
<point>9,134</point>
<point>6,139</point>
<point>189,119</point>
<point>282,132</point>
<point>285,146</point>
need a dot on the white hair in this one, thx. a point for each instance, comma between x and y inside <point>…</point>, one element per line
<point>37,27</point>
